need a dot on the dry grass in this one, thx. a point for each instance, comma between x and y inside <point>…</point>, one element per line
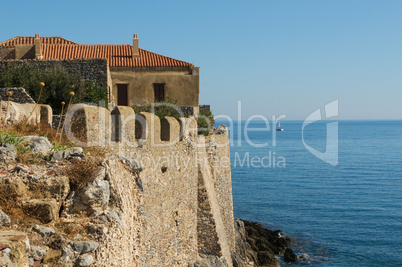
<point>25,129</point>
<point>72,228</point>
<point>97,152</point>
<point>81,172</point>
<point>11,204</point>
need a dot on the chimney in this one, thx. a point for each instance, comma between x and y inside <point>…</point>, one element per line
<point>38,47</point>
<point>136,52</point>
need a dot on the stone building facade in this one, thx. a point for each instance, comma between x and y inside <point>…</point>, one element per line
<point>133,75</point>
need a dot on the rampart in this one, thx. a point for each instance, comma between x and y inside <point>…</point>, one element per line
<point>176,198</point>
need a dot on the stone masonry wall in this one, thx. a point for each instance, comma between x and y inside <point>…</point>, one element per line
<point>95,70</point>
<point>169,210</point>
<point>19,95</point>
<point>173,206</point>
<point>217,147</point>
<point>208,240</point>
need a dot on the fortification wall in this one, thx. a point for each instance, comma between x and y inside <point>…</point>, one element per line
<point>173,203</point>
<point>95,70</point>
<point>13,113</point>
<point>217,148</point>
<point>122,245</point>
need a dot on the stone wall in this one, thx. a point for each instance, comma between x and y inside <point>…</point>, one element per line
<point>217,147</point>
<point>95,70</point>
<point>122,245</point>
<point>14,113</point>
<point>175,202</point>
<point>19,95</point>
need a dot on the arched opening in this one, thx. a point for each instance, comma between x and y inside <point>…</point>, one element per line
<point>140,126</point>
<point>165,130</point>
<point>116,126</point>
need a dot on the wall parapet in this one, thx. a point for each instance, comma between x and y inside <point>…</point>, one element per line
<point>89,125</point>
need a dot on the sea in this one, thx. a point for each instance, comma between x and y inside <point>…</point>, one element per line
<point>342,210</point>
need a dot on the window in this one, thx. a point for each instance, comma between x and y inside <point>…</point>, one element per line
<point>159,91</point>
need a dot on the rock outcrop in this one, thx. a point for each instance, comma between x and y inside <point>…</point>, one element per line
<point>257,246</point>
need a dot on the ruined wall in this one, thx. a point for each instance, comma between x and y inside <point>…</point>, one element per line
<point>95,70</point>
<point>122,245</point>
<point>13,113</point>
<point>182,85</point>
<point>19,95</point>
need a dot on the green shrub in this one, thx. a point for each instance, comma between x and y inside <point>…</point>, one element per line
<point>205,121</point>
<point>58,84</point>
<point>164,109</point>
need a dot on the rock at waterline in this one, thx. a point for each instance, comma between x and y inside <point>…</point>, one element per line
<point>289,256</point>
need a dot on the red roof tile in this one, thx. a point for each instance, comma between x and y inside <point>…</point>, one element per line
<point>117,55</point>
<point>31,40</point>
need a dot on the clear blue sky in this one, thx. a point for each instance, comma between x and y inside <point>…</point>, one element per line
<point>277,57</point>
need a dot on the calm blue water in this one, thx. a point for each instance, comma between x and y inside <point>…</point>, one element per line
<point>344,215</point>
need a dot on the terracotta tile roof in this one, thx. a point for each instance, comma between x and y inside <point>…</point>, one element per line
<point>117,55</point>
<point>31,40</point>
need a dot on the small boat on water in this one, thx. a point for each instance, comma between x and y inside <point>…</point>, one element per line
<point>279,129</point>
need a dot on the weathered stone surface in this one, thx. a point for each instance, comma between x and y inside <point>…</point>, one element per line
<point>44,231</point>
<point>259,245</point>
<point>95,194</point>
<point>83,247</point>
<point>210,261</point>
<point>7,155</point>
<point>85,260</point>
<point>70,153</point>
<point>222,129</point>
<point>45,210</point>
<point>39,144</point>
<point>37,252</point>
<point>17,245</point>
<point>52,255</point>
<point>290,256</point>
<point>53,187</point>
<point>4,219</point>
<point>111,216</point>
<point>237,260</point>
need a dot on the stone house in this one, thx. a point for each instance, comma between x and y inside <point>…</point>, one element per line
<point>132,75</point>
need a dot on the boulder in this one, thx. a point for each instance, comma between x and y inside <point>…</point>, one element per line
<point>39,144</point>
<point>94,195</point>
<point>85,260</point>
<point>289,256</point>
<point>83,247</point>
<point>70,153</point>
<point>111,216</point>
<point>53,187</point>
<point>44,231</point>
<point>45,210</point>
<point>4,219</point>
<point>37,253</point>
